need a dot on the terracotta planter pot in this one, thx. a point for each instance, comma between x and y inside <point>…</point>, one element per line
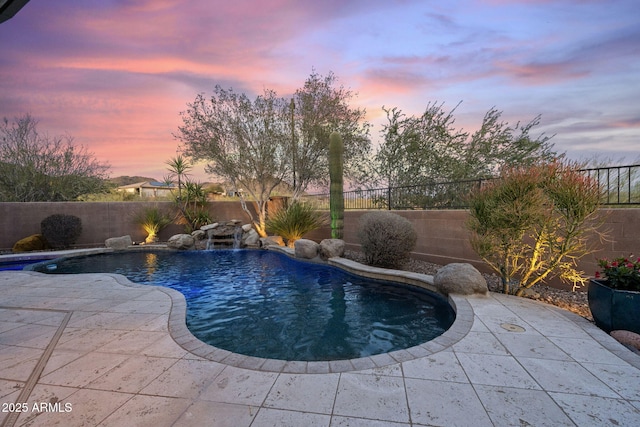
<point>614,309</point>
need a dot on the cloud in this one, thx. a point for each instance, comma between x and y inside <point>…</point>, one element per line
<point>116,73</point>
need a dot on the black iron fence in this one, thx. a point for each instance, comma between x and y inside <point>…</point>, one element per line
<point>620,185</point>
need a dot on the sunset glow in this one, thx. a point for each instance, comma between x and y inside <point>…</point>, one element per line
<point>116,74</point>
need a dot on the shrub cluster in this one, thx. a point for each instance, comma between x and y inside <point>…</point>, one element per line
<point>61,231</point>
<point>533,223</point>
<point>386,238</point>
<point>295,221</point>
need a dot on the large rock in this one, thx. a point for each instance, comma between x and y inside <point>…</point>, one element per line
<point>265,242</point>
<point>247,227</point>
<point>199,234</point>
<point>305,248</point>
<point>460,278</point>
<point>628,338</point>
<point>331,248</point>
<point>250,238</point>
<point>35,242</point>
<point>181,241</point>
<point>208,227</point>
<point>118,243</point>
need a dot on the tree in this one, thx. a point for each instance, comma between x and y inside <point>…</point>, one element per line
<point>418,150</point>
<point>178,168</point>
<point>321,107</point>
<point>429,148</point>
<point>496,144</point>
<point>246,142</point>
<point>36,167</point>
<point>532,224</point>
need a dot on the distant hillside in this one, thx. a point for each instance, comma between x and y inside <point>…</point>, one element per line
<point>126,180</point>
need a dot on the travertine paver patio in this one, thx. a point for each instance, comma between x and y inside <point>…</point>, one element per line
<point>91,350</point>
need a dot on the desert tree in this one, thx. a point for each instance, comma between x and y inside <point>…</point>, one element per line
<point>415,150</point>
<point>497,144</point>
<point>245,141</point>
<point>320,107</point>
<point>429,148</point>
<point>37,167</point>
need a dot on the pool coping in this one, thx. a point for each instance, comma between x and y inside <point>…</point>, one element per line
<point>182,335</point>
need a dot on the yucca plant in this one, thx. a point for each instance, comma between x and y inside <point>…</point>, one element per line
<point>294,221</point>
<point>152,220</point>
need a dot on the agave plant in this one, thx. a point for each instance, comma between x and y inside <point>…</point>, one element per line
<point>294,221</point>
<point>152,221</point>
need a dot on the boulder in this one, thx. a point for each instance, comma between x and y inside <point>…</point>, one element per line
<point>265,242</point>
<point>35,242</point>
<point>208,227</point>
<point>199,235</point>
<point>331,248</point>
<point>628,338</point>
<point>118,243</point>
<point>460,278</point>
<point>181,241</point>
<point>250,238</point>
<point>305,248</point>
<point>247,227</point>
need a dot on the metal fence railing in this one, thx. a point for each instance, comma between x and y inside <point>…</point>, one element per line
<point>620,186</point>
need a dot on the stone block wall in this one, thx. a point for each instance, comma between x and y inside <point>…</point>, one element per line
<point>100,220</point>
<point>442,236</point>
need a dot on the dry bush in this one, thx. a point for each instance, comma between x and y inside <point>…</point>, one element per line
<point>386,238</point>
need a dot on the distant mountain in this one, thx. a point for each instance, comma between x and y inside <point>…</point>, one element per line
<point>126,180</point>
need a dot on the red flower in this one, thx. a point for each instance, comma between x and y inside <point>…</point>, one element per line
<point>597,274</point>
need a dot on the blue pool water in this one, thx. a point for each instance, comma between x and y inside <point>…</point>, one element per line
<point>266,304</point>
<point>17,264</point>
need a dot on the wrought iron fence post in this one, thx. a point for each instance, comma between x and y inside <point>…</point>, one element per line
<point>389,198</point>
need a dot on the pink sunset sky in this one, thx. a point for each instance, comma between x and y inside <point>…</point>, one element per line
<point>115,74</point>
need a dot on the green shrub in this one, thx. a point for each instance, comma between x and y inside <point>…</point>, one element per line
<point>294,221</point>
<point>532,224</point>
<point>61,231</point>
<point>387,239</point>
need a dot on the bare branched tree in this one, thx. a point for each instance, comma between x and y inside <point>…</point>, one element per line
<point>244,141</point>
<point>37,167</point>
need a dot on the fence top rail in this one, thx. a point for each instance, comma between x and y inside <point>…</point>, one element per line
<point>626,193</point>
<point>463,181</point>
<point>609,167</point>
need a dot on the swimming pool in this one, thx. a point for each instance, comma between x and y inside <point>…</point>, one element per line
<point>266,304</point>
<point>18,264</point>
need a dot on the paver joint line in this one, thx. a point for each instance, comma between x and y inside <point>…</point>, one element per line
<point>11,419</point>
